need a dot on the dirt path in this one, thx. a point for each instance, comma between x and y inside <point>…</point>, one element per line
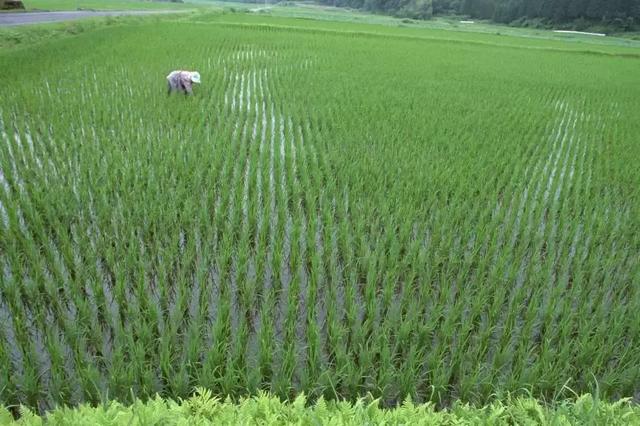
<point>26,18</point>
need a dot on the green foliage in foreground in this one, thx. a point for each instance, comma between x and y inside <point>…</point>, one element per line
<point>203,408</point>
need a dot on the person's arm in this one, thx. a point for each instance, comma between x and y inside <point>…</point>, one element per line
<point>185,82</point>
<point>188,87</point>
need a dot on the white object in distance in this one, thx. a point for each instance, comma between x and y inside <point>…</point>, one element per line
<point>195,77</point>
<point>579,32</point>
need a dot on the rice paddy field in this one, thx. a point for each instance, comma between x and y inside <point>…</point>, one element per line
<point>335,212</point>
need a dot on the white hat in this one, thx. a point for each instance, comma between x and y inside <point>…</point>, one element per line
<point>195,77</point>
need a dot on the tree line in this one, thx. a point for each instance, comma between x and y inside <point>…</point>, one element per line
<point>623,14</point>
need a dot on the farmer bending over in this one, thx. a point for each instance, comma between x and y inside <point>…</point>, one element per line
<point>182,81</point>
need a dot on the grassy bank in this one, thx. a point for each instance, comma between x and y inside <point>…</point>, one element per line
<point>54,5</point>
<point>203,409</point>
<point>22,36</point>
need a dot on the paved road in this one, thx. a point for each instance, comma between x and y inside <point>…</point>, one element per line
<point>25,18</point>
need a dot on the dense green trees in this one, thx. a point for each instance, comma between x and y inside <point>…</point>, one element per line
<point>622,14</point>
<point>554,10</point>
